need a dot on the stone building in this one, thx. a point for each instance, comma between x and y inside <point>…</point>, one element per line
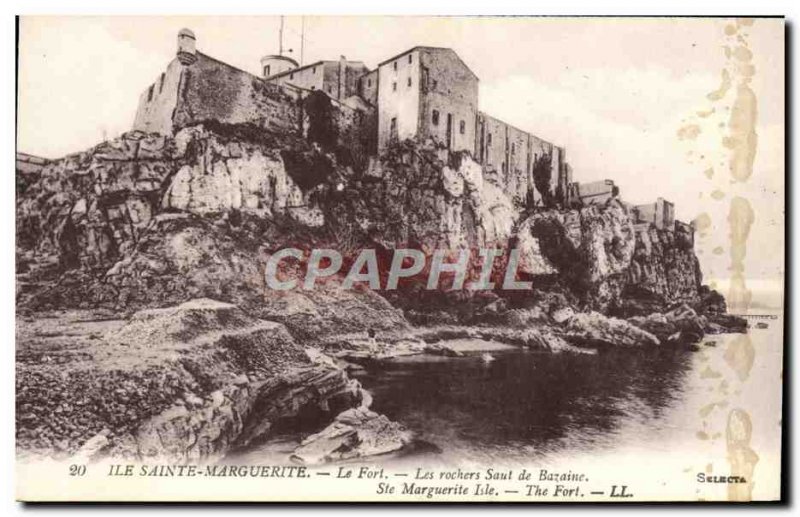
<point>595,192</point>
<point>424,93</point>
<point>661,214</point>
<point>196,88</point>
<point>338,79</point>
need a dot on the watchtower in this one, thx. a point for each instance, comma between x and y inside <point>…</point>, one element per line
<point>187,47</point>
<point>275,64</point>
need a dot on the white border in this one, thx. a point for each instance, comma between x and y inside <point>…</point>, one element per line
<point>789,8</point>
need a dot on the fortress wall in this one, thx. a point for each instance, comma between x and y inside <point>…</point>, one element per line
<point>212,90</point>
<point>510,157</point>
<point>157,102</point>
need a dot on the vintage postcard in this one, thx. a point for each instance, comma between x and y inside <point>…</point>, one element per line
<point>399,259</point>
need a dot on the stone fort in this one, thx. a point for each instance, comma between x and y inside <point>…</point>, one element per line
<point>427,94</point>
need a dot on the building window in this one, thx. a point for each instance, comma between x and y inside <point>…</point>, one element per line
<point>393,129</point>
<point>410,56</point>
<point>314,70</point>
<point>266,71</point>
<point>462,127</point>
<point>394,65</point>
<point>394,86</point>
<point>504,166</point>
<point>435,117</point>
<point>150,93</point>
<point>313,87</point>
<point>291,76</point>
<point>369,82</point>
<point>434,84</point>
<point>489,140</point>
<point>513,148</point>
<point>409,82</point>
<point>330,89</point>
<point>161,83</point>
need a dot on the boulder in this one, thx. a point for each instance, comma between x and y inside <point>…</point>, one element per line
<point>92,448</point>
<point>356,433</point>
<point>681,325</point>
<point>593,329</point>
<point>726,323</point>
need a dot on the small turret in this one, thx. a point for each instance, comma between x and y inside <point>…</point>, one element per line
<point>275,64</point>
<point>187,52</point>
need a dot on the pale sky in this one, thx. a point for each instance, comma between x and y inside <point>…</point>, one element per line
<point>614,92</point>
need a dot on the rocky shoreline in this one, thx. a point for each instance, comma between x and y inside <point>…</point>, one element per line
<point>212,379</point>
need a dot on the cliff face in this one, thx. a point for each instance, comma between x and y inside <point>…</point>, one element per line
<point>147,220</point>
<point>614,267</point>
<point>418,196</point>
<point>125,234</point>
<point>664,269</point>
<point>90,209</point>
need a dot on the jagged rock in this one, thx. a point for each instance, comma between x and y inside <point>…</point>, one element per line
<point>356,433</point>
<point>682,324</point>
<point>588,247</point>
<point>175,371</point>
<point>107,218</point>
<point>562,315</point>
<point>613,266</point>
<point>722,323</point>
<point>236,416</point>
<point>324,389</point>
<point>679,325</point>
<point>90,210</point>
<point>92,448</point>
<point>711,302</point>
<point>665,265</point>
<point>593,329</point>
<point>223,175</point>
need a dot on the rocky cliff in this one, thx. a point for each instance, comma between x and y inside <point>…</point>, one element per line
<point>124,235</point>
<point>147,220</point>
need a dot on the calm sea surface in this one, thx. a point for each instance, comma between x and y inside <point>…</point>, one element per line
<point>525,407</point>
